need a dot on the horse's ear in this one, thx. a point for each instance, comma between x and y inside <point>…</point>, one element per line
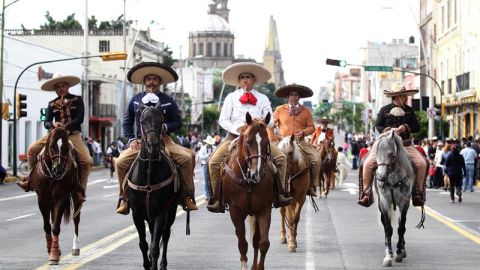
<point>393,133</point>
<point>266,120</point>
<point>248,118</point>
<point>159,105</point>
<point>141,106</point>
<point>292,138</point>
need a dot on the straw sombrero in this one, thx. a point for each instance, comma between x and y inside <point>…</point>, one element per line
<point>58,78</point>
<point>303,91</point>
<point>231,73</point>
<point>399,89</point>
<point>137,73</point>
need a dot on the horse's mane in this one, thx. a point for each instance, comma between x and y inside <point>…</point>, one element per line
<point>402,159</point>
<point>287,147</point>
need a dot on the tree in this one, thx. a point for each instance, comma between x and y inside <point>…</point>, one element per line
<point>351,114</point>
<point>210,118</point>
<point>70,23</point>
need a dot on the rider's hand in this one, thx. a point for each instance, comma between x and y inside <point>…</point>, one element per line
<point>400,129</point>
<point>300,134</point>
<point>57,124</point>
<point>135,145</point>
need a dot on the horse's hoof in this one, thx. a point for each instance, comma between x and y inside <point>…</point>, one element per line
<point>283,239</point>
<point>292,248</point>
<point>53,262</point>
<point>399,258</point>
<point>75,251</point>
<point>243,265</point>
<point>387,262</point>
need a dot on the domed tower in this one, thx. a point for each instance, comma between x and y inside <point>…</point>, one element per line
<point>211,45</point>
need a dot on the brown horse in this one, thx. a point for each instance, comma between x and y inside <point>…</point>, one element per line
<point>328,160</point>
<point>298,174</point>
<point>55,178</point>
<point>247,186</point>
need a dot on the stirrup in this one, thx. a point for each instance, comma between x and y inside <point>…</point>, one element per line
<point>216,207</point>
<point>365,199</point>
<point>123,207</point>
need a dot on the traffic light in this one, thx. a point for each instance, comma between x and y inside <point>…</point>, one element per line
<point>21,106</point>
<point>114,56</point>
<point>5,113</point>
<point>43,114</point>
<point>335,62</point>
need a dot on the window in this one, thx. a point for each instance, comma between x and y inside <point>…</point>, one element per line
<point>200,49</point>
<point>194,49</point>
<point>104,46</point>
<point>450,89</point>
<point>218,49</point>
<point>225,49</point>
<point>463,81</point>
<point>209,49</point>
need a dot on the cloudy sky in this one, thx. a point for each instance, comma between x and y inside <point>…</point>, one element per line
<point>309,30</point>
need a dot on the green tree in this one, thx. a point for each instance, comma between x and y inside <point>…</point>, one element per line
<point>210,118</point>
<point>70,23</point>
<point>351,114</point>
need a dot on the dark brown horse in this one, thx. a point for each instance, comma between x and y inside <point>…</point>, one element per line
<point>55,178</point>
<point>247,186</point>
<point>298,174</point>
<point>328,160</point>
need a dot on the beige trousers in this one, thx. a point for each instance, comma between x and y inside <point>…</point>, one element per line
<point>180,155</point>
<point>221,154</point>
<point>419,163</point>
<point>314,158</point>
<point>81,149</point>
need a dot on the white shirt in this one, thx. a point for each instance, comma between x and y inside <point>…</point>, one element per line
<point>204,153</point>
<point>233,111</point>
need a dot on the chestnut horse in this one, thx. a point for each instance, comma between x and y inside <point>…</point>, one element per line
<point>55,178</point>
<point>247,186</point>
<point>328,160</point>
<point>298,174</point>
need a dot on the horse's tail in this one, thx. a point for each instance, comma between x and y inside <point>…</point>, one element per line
<point>253,223</point>
<point>68,209</point>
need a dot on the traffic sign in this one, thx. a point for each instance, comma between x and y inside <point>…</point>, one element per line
<point>379,68</point>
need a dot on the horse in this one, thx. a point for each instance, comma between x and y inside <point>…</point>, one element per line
<point>247,185</point>
<point>55,178</point>
<point>298,174</point>
<point>394,179</point>
<point>328,160</point>
<point>152,192</point>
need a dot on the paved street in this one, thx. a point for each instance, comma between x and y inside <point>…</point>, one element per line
<point>342,235</point>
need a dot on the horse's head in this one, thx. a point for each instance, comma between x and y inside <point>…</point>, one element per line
<point>288,145</point>
<point>57,152</point>
<point>386,153</point>
<point>151,123</point>
<point>256,146</point>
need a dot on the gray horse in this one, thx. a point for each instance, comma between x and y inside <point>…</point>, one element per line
<point>394,179</point>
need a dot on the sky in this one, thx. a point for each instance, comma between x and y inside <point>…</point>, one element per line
<point>309,30</point>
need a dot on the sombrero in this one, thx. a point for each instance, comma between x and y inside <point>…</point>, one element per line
<point>137,73</point>
<point>58,78</point>
<point>231,73</point>
<point>324,120</point>
<point>399,89</point>
<point>303,91</point>
<point>209,140</point>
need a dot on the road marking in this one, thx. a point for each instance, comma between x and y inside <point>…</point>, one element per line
<point>309,257</point>
<point>20,217</point>
<point>18,197</point>
<point>113,186</point>
<point>104,246</point>
<point>110,195</point>
<point>449,222</point>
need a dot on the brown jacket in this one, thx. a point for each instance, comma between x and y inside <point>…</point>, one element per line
<point>291,124</point>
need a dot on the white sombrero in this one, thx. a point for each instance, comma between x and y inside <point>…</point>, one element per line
<point>231,73</point>
<point>399,89</point>
<point>59,78</point>
<point>209,140</point>
<point>303,91</point>
<point>137,73</point>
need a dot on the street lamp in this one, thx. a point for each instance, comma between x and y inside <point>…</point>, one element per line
<point>105,57</point>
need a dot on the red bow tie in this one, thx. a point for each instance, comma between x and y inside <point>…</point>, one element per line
<point>248,98</point>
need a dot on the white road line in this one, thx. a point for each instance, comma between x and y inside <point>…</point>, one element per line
<point>108,187</point>
<point>110,195</point>
<point>18,197</point>
<point>309,257</point>
<point>24,216</point>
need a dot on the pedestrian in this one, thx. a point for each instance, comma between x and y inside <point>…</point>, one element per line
<point>455,168</point>
<point>203,154</point>
<point>446,151</point>
<point>232,116</point>
<point>67,111</point>
<point>342,167</point>
<point>439,166</point>
<point>355,151</point>
<point>294,118</point>
<point>112,153</point>
<point>97,152</point>
<point>3,173</point>
<point>402,119</point>
<point>363,151</point>
<point>152,75</point>
<point>88,143</point>
<point>470,156</point>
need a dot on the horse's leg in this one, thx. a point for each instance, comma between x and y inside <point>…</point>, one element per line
<point>255,240</point>
<point>55,251</point>
<point>76,221</point>
<point>238,220</point>
<point>156,233</point>
<point>138,220</point>
<point>263,225</point>
<point>327,183</point>
<point>47,227</point>
<point>283,238</point>
<point>387,227</point>
<point>401,253</point>
<point>298,211</point>
<point>165,239</point>
<point>291,213</point>
<point>332,179</point>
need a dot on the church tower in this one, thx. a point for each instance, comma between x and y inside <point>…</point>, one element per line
<point>272,59</point>
<point>219,7</point>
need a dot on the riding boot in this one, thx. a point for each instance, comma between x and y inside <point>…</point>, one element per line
<point>189,203</point>
<point>24,184</point>
<point>418,198</point>
<point>214,204</point>
<point>122,206</point>
<point>279,199</point>
<point>311,191</point>
<point>365,197</point>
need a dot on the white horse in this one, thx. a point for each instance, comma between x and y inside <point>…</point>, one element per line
<point>394,180</point>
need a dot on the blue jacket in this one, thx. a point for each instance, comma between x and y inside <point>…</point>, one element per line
<point>171,112</point>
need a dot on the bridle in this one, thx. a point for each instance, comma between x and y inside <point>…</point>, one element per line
<point>46,168</point>
<point>248,160</point>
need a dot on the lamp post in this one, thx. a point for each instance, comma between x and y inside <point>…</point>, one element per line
<point>2,26</point>
<point>105,57</point>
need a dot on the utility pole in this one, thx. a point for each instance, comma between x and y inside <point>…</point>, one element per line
<point>86,90</point>
<point>1,76</point>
